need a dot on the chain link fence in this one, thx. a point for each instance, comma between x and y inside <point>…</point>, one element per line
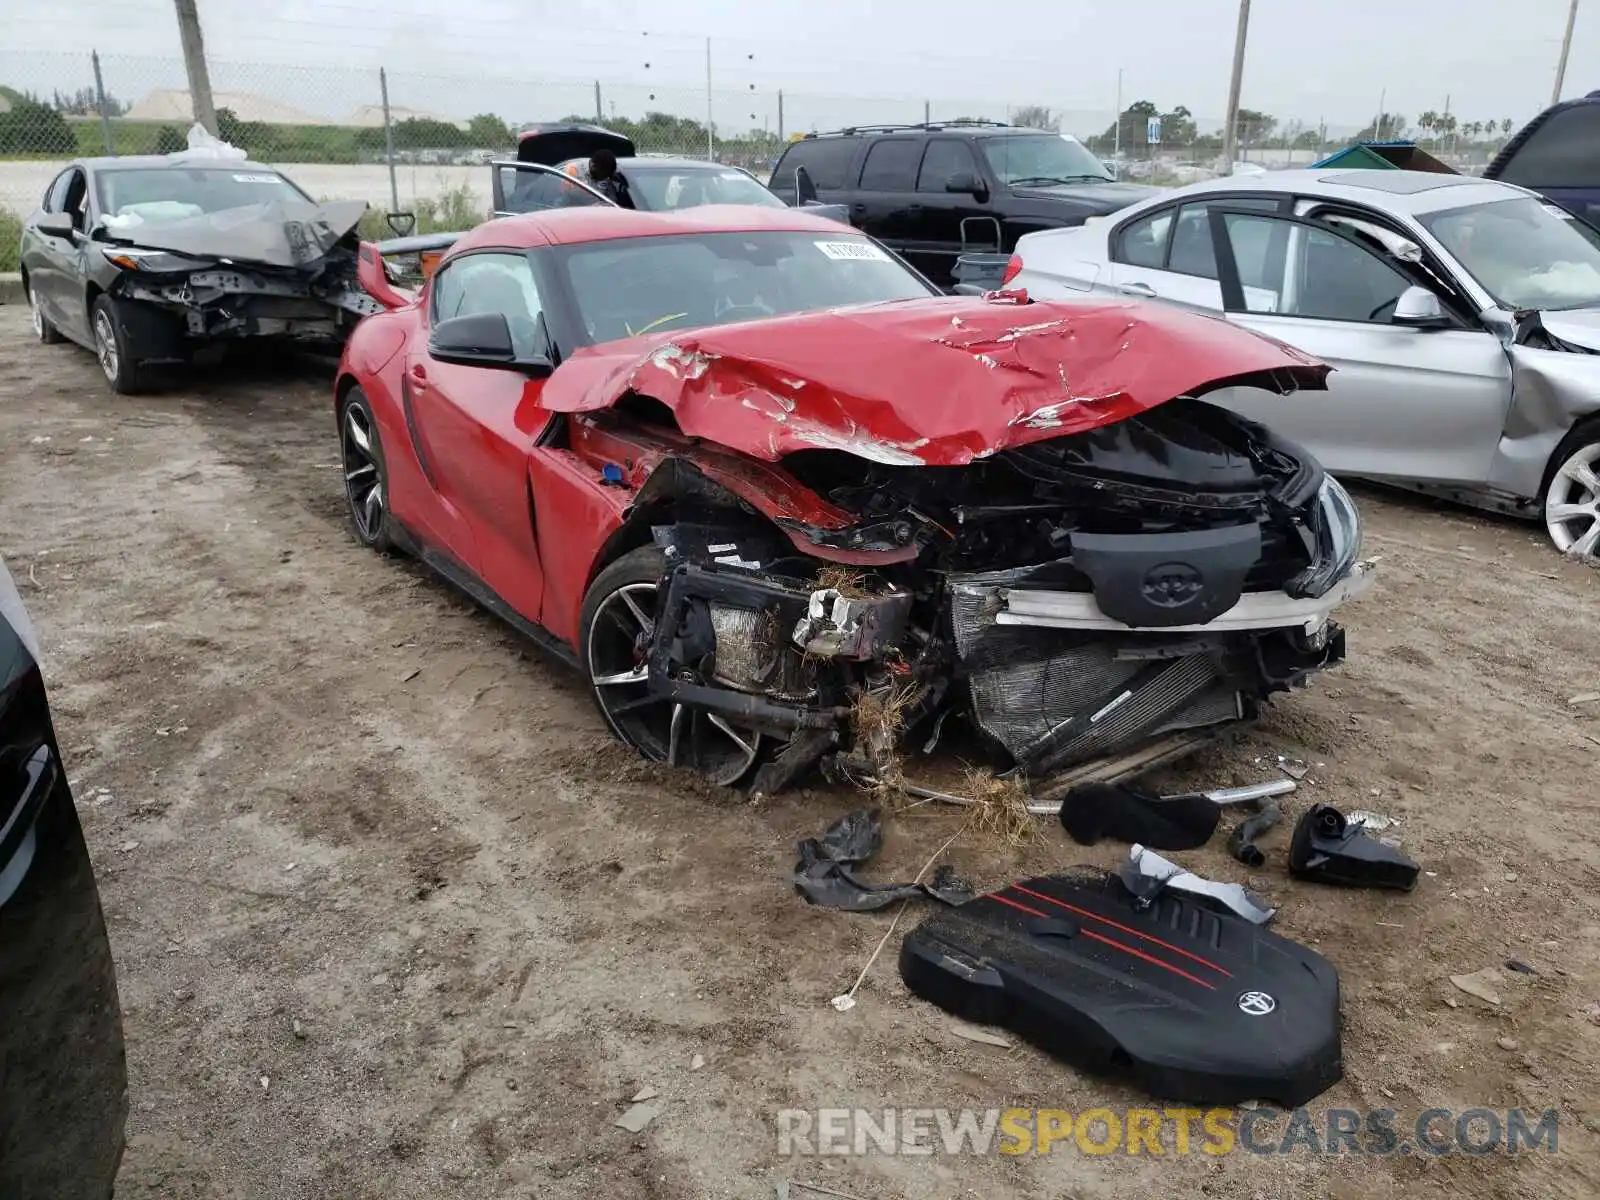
<point>332,129</point>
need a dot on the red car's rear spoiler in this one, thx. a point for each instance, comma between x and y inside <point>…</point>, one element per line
<point>374,280</point>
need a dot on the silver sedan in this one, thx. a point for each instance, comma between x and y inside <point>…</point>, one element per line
<point>1462,318</point>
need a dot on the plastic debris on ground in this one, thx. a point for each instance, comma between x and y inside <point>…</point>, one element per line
<point>1093,811</point>
<point>1241,842</point>
<point>1373,822</point>
<point>1328,848</point>
<point>1485,985</point>
<point>825,876</point>
<point>1147,875</point>
<point>637,1117</point>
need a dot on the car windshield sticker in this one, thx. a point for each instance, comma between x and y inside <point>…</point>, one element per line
<point>852,251</point>
<point>1555,210</point>
<point>255,179</point>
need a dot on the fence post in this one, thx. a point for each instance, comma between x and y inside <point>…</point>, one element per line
<point>711,142</point>
<point>388,141</point>
<point>100,103</point>
<point>194,65</point>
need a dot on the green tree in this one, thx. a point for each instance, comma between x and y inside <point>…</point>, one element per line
<point>1389,127</point>
<point>1254,127</point>
<point>1036,116</point>
<point>486,129</point>
<point>168,140</point>
<point>34,128</point>
<point>1132,121</point>
<point>1178,128</point>
<point>426,133</point>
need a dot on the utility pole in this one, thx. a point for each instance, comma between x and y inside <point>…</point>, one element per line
<point>388,140</point>
<point>780,114</point>
<point>927,112</point>
<point>194,64</point>
<point>711,146</point>
<point>1566,45</point>
<point>1116,123</point>
<point>599,111</point>
<point>1377,121</point>
<point>1230,132</point>
<point>100,103</point>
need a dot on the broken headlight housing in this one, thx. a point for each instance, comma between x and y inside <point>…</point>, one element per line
<point>1335,527</point>
<point>132,258</point>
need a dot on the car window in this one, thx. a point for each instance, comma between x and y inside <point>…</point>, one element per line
<point>491,283</point>
<point>133,195</point>
<point>1042,159</point>
<point>945,157</point>
<point>1563,152</point>
<point>76,198</point>
<point>55,196</point>
<point>1191,251</point>
<point>891,165</point>
<point>1298,270</point>
<point>1144,243</point>
<point>524,191</point>
<point>631,286</point>
<point>1525,252</point>
<point>663,189</point>
<point>825,159</point>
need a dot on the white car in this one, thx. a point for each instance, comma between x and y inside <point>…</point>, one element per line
<point>1462,318</point>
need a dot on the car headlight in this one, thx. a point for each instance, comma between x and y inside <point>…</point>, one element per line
<point>159,261</point>
<point>1336,541</point>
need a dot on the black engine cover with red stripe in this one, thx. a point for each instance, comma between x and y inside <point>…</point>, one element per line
<point>1188,1001</point>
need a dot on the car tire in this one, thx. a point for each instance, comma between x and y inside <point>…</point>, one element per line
<point>366,473</point>
<point>614,631</point>
<point>116,348</point>
<point>1570,503</point>
<point>42,328</point>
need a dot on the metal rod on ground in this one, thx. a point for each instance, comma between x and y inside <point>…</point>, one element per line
<point>1566,45</point>
<point>194,65</point>
<point>711,148</point>
<point>100,103</point>
<point>1230,130</point>
<point>388,141</point>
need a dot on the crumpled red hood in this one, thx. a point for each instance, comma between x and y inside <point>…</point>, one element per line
<point>935,382</point>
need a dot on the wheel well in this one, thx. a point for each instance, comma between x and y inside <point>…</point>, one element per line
<point>342,387</point>
<point>91,293</point>
<point>1584,426</point>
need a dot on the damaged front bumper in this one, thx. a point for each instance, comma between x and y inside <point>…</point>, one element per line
<point>319,304</point>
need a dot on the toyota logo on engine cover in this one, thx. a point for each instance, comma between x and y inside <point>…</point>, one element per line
<point>1256,1004</point>
<point>1172,585</point>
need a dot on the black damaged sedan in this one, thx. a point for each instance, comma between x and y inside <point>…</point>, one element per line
<point>153,261</point>
<point>63,1082</point>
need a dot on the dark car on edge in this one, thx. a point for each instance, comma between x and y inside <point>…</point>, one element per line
<point>1557,154</point>
<point>63,1081</point>
<point>933,192</point>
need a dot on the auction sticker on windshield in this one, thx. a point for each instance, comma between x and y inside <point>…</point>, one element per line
<point>852,251</point>
<point>255,179</point>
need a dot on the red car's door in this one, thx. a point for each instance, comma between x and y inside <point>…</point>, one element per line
<point>478,424</point>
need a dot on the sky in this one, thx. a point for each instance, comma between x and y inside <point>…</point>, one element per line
<point>835,60</point>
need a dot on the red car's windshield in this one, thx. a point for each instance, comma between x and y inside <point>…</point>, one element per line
<point>631,286</point>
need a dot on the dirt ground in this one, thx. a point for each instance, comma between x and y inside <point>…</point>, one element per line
<point>394,918</point>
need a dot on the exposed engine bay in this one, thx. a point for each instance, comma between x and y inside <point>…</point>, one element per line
<point>1075,608</point>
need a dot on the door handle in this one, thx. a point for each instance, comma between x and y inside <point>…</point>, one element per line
<point>1137,289</point>
<point>419,375</point>
<point>858,208</point>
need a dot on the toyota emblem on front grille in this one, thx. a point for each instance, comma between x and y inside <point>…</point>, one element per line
<point>1172,584</point>
<point>1256,1004</point>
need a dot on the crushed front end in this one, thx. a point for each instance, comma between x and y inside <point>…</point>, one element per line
<point>1083,607</point>
<point>265,271</point>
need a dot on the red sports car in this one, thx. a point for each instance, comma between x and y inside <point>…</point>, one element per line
<point>786,507</point>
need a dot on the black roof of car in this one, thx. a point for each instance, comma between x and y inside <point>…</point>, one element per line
<point>977,128</point>
<point>1499,162</point>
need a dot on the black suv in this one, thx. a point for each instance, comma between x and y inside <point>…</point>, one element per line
<point>1557,154</point>
<point>933,192</point>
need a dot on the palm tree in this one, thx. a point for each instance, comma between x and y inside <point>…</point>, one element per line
<point>1427,122</point>
<point>1505,126</point>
